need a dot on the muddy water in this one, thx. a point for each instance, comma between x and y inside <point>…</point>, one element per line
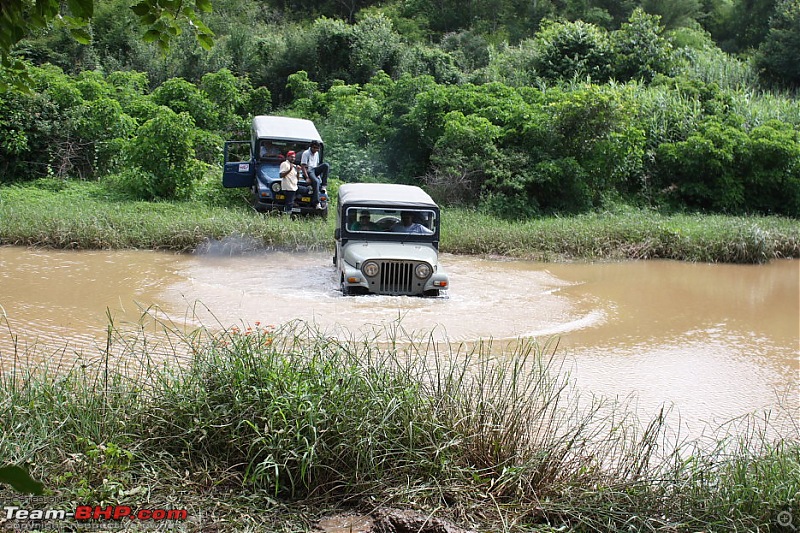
<point>715,341</point>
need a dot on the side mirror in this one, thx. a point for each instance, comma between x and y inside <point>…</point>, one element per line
<point>337,233</point>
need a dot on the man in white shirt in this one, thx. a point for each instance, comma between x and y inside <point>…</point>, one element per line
<point>318,173</point>
<point>408,225</point>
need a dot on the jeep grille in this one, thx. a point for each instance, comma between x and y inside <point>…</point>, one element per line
<point>396,277</point>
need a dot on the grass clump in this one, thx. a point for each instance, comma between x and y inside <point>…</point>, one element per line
<point>291,419</point>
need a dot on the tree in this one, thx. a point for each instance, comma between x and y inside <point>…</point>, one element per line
<point>566,50</point>
<point>163,149</point>
<point>674,13</point>
<point>184,97</point>
<point>163,20</point>
<point>749,22</point>
<point>641,52</point>
<point>777,60</point>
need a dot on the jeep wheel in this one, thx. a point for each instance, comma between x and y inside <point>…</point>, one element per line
<point>346,291</point>
<point>431,292</point>
<point>259,208</point>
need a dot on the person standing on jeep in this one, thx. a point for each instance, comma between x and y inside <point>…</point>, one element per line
<point>289,175</point>
<point>312,169</point>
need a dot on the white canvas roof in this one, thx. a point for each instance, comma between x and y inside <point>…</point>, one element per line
<point>384,195</point>
<point>285,128</point>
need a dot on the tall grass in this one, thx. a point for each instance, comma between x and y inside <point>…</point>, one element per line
<point>494,434</point>
<point>84,216</point>
<point>728,72</point>
<point>628,234</point>
<point>80,216</point>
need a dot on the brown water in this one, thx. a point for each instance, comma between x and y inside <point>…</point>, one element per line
<point>715,341</point>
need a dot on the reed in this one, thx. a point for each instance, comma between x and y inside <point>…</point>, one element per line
<point>291,419</point>
<point>727,71</point>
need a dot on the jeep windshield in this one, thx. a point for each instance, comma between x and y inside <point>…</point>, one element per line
<point>381,220</point>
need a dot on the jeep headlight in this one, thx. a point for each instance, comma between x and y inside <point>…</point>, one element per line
<point>276,186</point>
<point>371,269</point>
<point>423,270</point>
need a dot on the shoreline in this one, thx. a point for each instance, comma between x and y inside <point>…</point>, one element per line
<point>83,215</point>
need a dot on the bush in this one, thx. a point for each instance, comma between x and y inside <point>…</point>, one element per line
<point>421,60</point>
<point>183,97</point>
<point>259,101</point>
<point>209,190</point>
<point>229,94</point>
<point>777,60</point>
<point>464,156</point>
<point>704,171</point>
<point>164,150</point>
<point>772,170</point>
<point>376,47</point>
<point>572,50</point>
<point>131,183</point>
<point>101,126</point>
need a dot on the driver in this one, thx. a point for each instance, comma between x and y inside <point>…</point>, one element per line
<point>407,225</point>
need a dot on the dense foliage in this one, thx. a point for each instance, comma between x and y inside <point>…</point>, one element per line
<point>568,115</point>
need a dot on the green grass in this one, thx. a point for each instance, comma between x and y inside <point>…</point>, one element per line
<point>627,234</point>
<point>82,215</point>
<point>86,216</point>
<point>293,423</point>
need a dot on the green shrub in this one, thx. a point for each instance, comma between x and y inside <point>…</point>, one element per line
<point>567,50</point>
<point>771,171</point>
<point>259,101</point>
<point>704,170</point>
<point>376,47</point>
<point>184,97</point>
<point>776,59</point>
<point>464,156</point>
<point>640,52</point>
<point>164,150</point>
<point>560,185</point>
<point>131,183</point>
<point>208,189</point>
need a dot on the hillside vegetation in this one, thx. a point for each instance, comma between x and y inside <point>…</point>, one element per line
<point>578,111</point>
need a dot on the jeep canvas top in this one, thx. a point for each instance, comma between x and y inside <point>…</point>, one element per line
<point>384,194</point>
<point>285,128</point>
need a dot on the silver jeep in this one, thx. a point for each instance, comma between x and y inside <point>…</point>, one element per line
<point>387,241</point>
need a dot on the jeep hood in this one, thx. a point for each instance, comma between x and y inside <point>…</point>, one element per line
<point>269,172</point>
<point>355,253</point>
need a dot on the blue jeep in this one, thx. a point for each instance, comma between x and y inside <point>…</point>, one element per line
<point>255,163</point>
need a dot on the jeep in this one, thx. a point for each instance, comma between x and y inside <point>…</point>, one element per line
<point>387,241</point>
<point>255,163</point>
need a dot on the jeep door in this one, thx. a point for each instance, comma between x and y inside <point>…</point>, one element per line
<point>240,168</point>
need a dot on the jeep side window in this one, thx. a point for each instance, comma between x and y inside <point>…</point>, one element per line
<point>238,153</point>
<point>360,220</point>
<point>352,218</point>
